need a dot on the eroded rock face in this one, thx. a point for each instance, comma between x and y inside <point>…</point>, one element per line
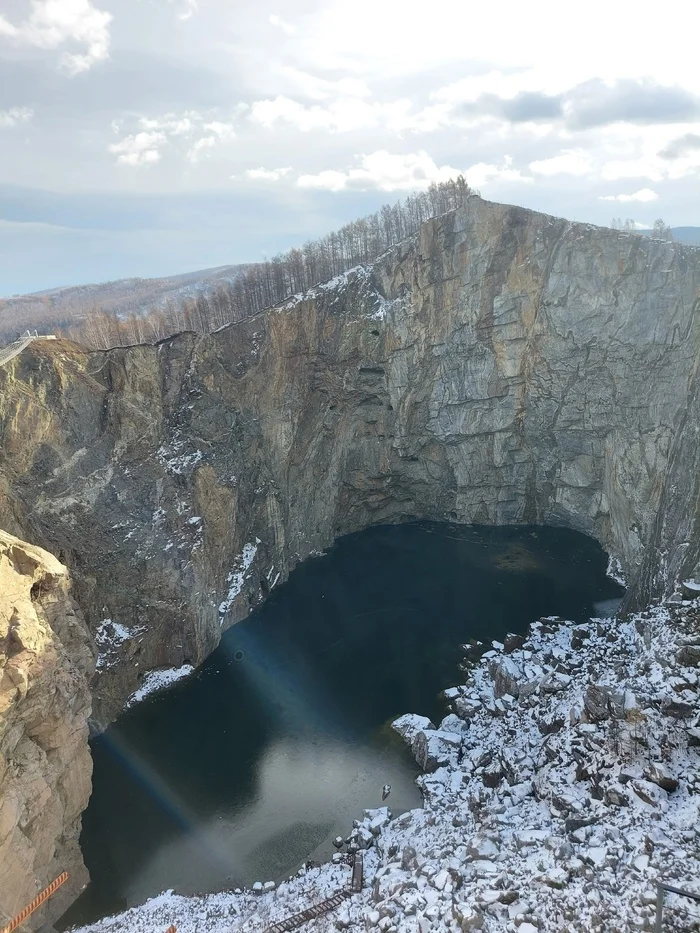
<point>501,367</point>
<point>46,661</point>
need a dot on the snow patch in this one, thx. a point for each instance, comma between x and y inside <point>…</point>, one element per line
<point>237,576</point>
<point>108,637</point>
<point>614,571</point>
<point>158,680</point>
<point>174,458</point>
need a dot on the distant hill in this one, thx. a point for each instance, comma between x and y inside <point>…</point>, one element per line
<point>688,235</point>
<point>60,307</point>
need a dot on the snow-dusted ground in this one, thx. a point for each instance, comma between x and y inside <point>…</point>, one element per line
<point>158,680</point>
<point>562,785</point>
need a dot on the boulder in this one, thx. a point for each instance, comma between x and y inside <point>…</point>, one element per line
<point>468,917</point>
<point>650,793</point>
<point>689,656</point>
<point>690,589</point>
<point>596,702</point>
<point>512,642</point>
<point>432,749</point>
<point>549,724</point>
<point>408,858</point>
<point>481,847</point>
<point>485,868</point>
<point>531,837</point>
<point>693,734</point>
<point>506,675</point>
<point>574,823</point>
<point>614,797</point>
<point>677,709</point>
<point>410,725</point>
<point>658,774</point>
<point>493,773</point>
<point>596,856</point>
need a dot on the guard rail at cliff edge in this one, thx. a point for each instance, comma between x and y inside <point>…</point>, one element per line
<point>13,349</point>
<point>40,899</point>
<point>355,860</point>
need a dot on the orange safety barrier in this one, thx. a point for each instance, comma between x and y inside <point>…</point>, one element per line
<point>36,903</point>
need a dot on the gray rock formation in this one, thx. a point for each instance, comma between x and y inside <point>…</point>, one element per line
<point>46,662</point>
<point>502,366</point>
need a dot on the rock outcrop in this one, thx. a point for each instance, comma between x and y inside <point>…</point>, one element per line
<point>46,662</point>
<point>502,366</point>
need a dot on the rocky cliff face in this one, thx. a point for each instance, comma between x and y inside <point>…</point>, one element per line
<point>46,661</point>
<point>503,366</point>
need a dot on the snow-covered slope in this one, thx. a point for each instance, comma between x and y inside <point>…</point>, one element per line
<point>562,785</point>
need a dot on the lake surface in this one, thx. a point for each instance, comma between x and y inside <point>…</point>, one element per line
<point>280,739</point>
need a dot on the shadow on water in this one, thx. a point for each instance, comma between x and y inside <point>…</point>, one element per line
<point>281,737</point>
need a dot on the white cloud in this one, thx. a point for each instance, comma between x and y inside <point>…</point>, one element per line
<point>191,133</point>
<point>14,117</point>
<point>170,124</point>
<point>652,167</point>
<point>570,162</point>
<point>268,174</point>
<point>338,36</point>
<point>53,23</point>
<point>284,109</point>
<point>206,142</point>
<point>645,167</point>
<point>217,131</point>
<point>220,130</point>
<point>498,83</point>
<point>139,149</point>
<point>343,115</point>
<point>282,24</point>
<point>186,8</point>
<point>322,88</point>
<point>382,170</point>
<point>483,174</point>
<point>643,195</point>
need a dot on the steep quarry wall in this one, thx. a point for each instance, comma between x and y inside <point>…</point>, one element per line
<point>503,366</point>
<point>46,662</point>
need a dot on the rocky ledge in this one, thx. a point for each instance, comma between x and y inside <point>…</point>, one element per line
<point>562,785</point>
<point>46,661</point>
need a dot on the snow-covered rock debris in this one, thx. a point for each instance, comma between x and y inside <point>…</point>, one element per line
<point>564,782</point>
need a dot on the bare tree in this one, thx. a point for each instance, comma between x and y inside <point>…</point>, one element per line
<point>662,231</point>
<point>264,284</point>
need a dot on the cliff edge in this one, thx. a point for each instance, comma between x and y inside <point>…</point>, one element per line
<point>501,366</point>
<point>46,661</point>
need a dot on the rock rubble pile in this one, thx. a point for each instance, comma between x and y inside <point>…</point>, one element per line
<point>563,783</point>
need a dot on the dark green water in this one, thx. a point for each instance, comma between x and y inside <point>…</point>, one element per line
<point>280,739</point>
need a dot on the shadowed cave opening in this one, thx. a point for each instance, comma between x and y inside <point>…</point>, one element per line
<point>281,738</point>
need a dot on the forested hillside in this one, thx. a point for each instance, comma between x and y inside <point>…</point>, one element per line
<point>133,311</point>
<point>69,307</point>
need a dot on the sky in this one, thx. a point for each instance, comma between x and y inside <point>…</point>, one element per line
<point>151,137</point>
